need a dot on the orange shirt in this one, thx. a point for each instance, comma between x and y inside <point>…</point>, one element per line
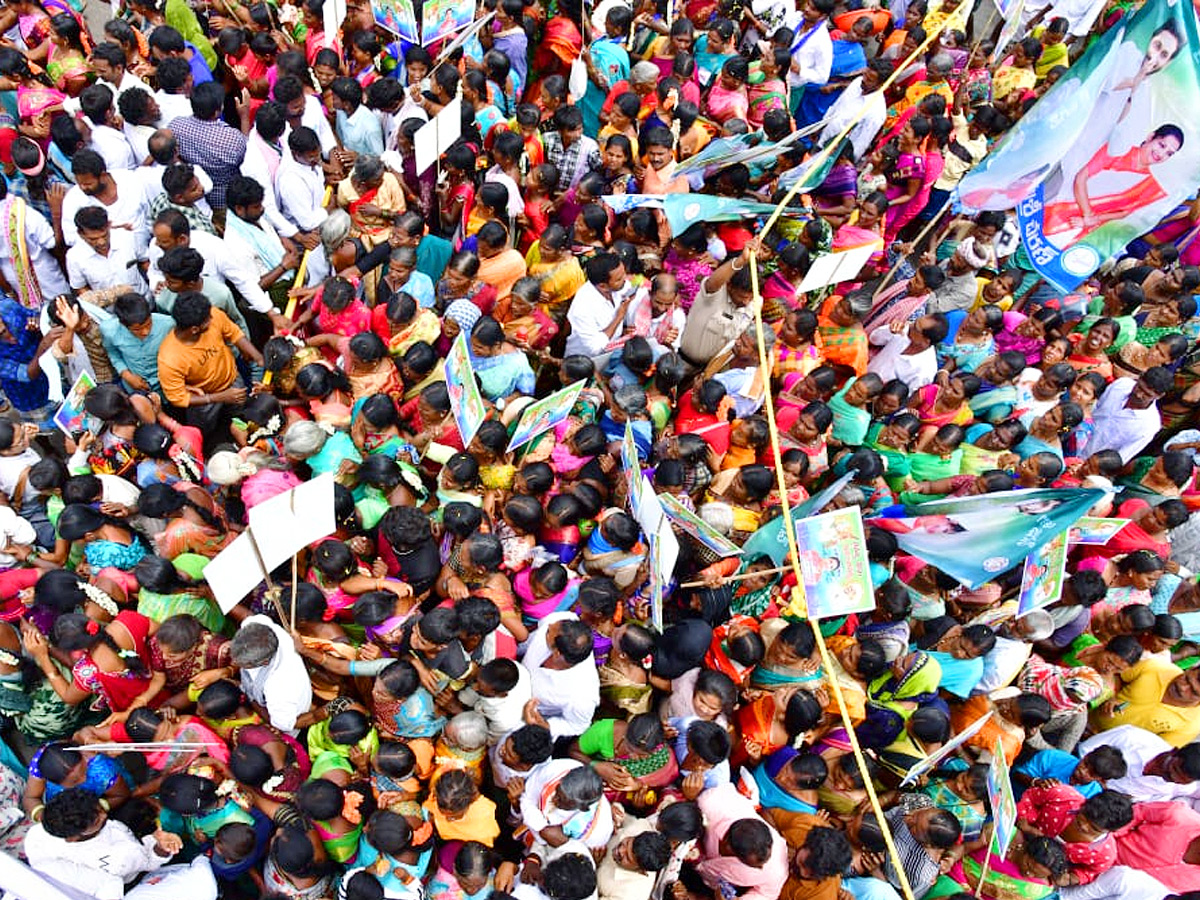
<point>207,365</point>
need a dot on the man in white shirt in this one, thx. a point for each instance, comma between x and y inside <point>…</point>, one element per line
<point>1155,771</point>
<point>663,328</point>
<point>906,350</point>
<point>862,100</point>
<point>120,192</point>
<point>562,674</point>
<point>264,155</point>
<point>77,843</point>
<point>300,184</point>
<point>812,50</point>
<point>103,258</point>
<point>108,62</point>
<point>598,308</point>
<point>565,799</point>
<point>565,872</point>
<point>96,101</point>
<point>1127,417</point>
<point>40,246</point>
<point>223,260</point>
<point>174,88</point>
<point>273,675</point>
<point>163,151</point>
<point>303,111</point>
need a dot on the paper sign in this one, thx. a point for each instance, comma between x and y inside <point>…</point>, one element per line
<point>465,400</point>
<point>397,16</point>
<point>441,18</point>
<point>834,268</point>
<point>542,415</point>
<point>438,135</point>
<point>71,418</point>
<point>696,528</point>
<point>289,522</point>
<point>933,760</point>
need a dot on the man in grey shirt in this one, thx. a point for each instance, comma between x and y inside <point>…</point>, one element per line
<point>960,288</point>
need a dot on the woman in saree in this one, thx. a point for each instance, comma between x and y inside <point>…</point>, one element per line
<point>460,282</point>
<point>937,454</point>
<point>189,655</point>
<point>851,409</point>
<point>628,755</point>
<point>502,369</point>
<point>789,779</point>
<point>551,262</point>
<point>747,596</point>
<point>1090,348</point>
<point>945,401</point>
<point>190,527</point>
<point>911,682</point>
<point>67,61</point>
<point>774,721</point>
<point>625,686</point>
<point>965,795</point>
<point>836,198</point>
<point>113,665</point>
<point>400,323</point>
<point>268,761</point>
<point>1085,213</point>
<point>727,97</point>
<point>790,659</point>
<point>61,765</point>
<point>1032,868</point>
<point>975,339</point>
<point>991,447</point>
<point>403,710</point>
<point>893,441</point>
<point>780,291</point>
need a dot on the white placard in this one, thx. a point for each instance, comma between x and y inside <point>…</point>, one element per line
<point>289,522</point>
<point>834,268</point>
<point>234,572</point>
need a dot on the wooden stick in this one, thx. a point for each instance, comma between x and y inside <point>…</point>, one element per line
<point>917,240</point>
<point>742,577</point>
<point>987,862</point>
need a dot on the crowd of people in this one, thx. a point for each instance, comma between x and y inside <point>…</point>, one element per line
<point>221,244</point>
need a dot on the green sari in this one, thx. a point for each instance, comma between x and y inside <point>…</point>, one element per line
<point>850,423</point>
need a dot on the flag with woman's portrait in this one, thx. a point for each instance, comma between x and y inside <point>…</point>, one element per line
<point>1109,150</point>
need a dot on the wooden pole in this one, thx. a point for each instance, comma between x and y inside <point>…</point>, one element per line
<point>917,240</point>
<point>742,577</point>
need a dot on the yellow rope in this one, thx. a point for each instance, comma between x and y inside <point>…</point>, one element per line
<point>799,602</point>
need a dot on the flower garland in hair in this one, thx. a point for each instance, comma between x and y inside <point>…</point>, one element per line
<point>98,596</point>
<point>187,464</point>
<point>9,659</point>
<point>269,430</point>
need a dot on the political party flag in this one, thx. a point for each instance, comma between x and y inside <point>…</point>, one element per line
<point>685,210</point>
<point>1109,150</point>
<point>974,539</point>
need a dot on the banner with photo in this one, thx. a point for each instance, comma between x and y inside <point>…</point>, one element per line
<point>465,400</point>
<point>974,539</point>
<point>1044,575</point>
<point>1110,149</point>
